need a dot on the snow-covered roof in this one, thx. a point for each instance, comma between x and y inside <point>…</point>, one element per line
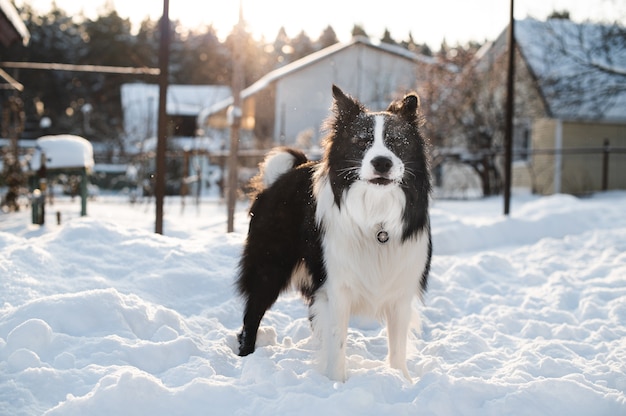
<point>63,151</point>
<point>186,100</point>
<point>581,76</point>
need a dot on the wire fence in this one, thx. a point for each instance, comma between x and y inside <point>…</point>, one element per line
<point>577,170</point>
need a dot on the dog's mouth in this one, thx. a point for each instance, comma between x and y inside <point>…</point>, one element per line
<point>380,181</point>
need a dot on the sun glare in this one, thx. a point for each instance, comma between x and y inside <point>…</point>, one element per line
<point>456,21</point>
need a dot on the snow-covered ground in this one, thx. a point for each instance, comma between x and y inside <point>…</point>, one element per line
<point>524,315</point>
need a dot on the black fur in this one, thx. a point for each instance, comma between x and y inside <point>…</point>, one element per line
<point>282,234</point>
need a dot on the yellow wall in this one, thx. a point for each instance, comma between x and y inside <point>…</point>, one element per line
<point>579,173</point>
<point>541,167</point>
<point>583,173</point>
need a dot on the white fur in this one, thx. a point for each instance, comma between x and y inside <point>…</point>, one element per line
<point>364,276</point>
<point>378,148</point>
<point>276,163</point>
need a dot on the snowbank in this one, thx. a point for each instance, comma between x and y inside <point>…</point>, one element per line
<point>524,316</point>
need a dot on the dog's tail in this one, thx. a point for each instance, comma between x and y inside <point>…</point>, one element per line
<point>277,162</point>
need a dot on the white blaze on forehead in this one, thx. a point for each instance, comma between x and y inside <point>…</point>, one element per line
<point>378,148</point>
<point>379,126</point>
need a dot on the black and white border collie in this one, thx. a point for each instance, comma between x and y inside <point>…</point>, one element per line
<point>351,231</point>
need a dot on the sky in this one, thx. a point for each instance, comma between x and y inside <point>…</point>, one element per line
<point>456,21</point>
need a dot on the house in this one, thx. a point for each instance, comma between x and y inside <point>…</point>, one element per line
<point>290,104</point>
<point>186,149</point>
<point>570,99</point>
<point>140,103</point>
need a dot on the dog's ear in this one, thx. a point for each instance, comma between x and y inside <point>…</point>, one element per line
<point>344,106</point>
<point>407,107</point>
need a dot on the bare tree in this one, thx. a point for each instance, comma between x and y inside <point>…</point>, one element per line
<point>581,68</point>
<point>563,69</point>
<point>464,109</point>
<point>13,124</point>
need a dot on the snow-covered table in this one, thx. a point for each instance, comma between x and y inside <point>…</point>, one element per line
<point>63,154</point>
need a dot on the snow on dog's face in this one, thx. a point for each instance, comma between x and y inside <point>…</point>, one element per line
<point>382,149</point>
<point>380,166</point>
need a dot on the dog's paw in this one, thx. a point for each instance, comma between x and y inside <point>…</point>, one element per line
<point>406,375</point>
<point>402,368</point>
<point>336,373</point>
<point>245,346</point>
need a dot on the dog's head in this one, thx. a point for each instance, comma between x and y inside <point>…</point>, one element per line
<point>381,148</point>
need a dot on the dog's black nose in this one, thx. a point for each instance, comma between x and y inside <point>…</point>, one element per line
<point>382,164</point>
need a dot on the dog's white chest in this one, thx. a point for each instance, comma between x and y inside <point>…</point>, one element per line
<point>372,275</point>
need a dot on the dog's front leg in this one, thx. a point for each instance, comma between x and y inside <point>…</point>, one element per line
<point>398,317</point>
<point>332,315</point>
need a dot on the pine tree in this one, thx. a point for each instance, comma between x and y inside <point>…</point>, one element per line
<point>327,38</point>
<point>302,46</point>
<point>110,43</point>
<point>203,60</point>
<point>387,38</point>
<point>281,49</point>
<point>357,30</point>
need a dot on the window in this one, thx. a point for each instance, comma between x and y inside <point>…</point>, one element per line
<point>521,141</point>
<point>182,126</point>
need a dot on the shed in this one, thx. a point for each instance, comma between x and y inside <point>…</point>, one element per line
<point>184,103</point>
<point>289,104</point>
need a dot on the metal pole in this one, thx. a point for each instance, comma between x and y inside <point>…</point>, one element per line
<point>162,123</point>
<point>606,149</point>
<point>84,193</point>
<point>508,133</point>
<point>235,113</point>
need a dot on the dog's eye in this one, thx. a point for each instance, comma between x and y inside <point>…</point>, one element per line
<point>361,142</point>
<point>391,140</point>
